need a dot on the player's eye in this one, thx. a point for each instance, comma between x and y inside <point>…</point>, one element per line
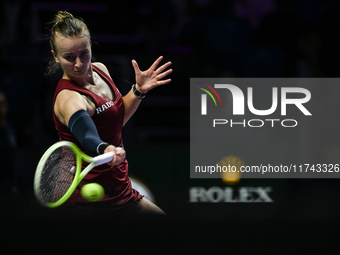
<point>83,53</point>
<point>69,58</point>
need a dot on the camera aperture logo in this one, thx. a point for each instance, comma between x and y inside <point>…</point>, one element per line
<point>204,98</point>
<point>302,96</point>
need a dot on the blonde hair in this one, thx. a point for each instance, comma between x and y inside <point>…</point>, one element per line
<point>67,25</point>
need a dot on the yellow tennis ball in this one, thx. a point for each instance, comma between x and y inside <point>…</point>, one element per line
<point>92,192</point>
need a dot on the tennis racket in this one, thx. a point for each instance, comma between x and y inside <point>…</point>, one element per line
<point>59,172</point>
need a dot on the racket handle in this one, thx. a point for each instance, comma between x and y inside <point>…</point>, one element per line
<point>104,158</point>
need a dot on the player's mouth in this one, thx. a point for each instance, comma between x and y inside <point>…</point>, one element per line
<point>80,71</point>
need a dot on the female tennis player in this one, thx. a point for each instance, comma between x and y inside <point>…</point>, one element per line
<point>89,111</point>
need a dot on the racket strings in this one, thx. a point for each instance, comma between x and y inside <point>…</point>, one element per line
<point>58,174</point>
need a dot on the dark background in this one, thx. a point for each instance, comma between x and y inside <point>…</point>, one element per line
<point>202,38</point>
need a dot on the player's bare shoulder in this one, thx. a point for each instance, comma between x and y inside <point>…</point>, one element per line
<point>68,102</point>
<point>102,67</point>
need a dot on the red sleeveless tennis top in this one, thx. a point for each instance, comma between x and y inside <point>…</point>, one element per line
<point>109,119</point>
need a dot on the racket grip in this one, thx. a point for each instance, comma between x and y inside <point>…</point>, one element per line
<point>104,158</point>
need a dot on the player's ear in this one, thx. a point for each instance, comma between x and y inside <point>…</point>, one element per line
<point>55,56</point>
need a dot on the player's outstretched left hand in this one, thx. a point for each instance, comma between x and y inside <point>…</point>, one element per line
<point>153,77</point>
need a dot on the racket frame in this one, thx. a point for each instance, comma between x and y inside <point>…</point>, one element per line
<point>78,175</point>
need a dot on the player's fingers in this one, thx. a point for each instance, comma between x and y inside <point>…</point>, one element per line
<point>163,67</point>
<point>163,82</point>
<point>162,75</point>
<point>119,150</point>
<point>156,63</point>
<point>135,66</point>
<point>119,157</point>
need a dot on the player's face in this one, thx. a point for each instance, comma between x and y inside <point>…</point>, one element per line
<point>74,55</point>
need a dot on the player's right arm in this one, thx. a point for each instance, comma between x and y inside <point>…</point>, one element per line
<point>74,111</point>
<point>69,102</point>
